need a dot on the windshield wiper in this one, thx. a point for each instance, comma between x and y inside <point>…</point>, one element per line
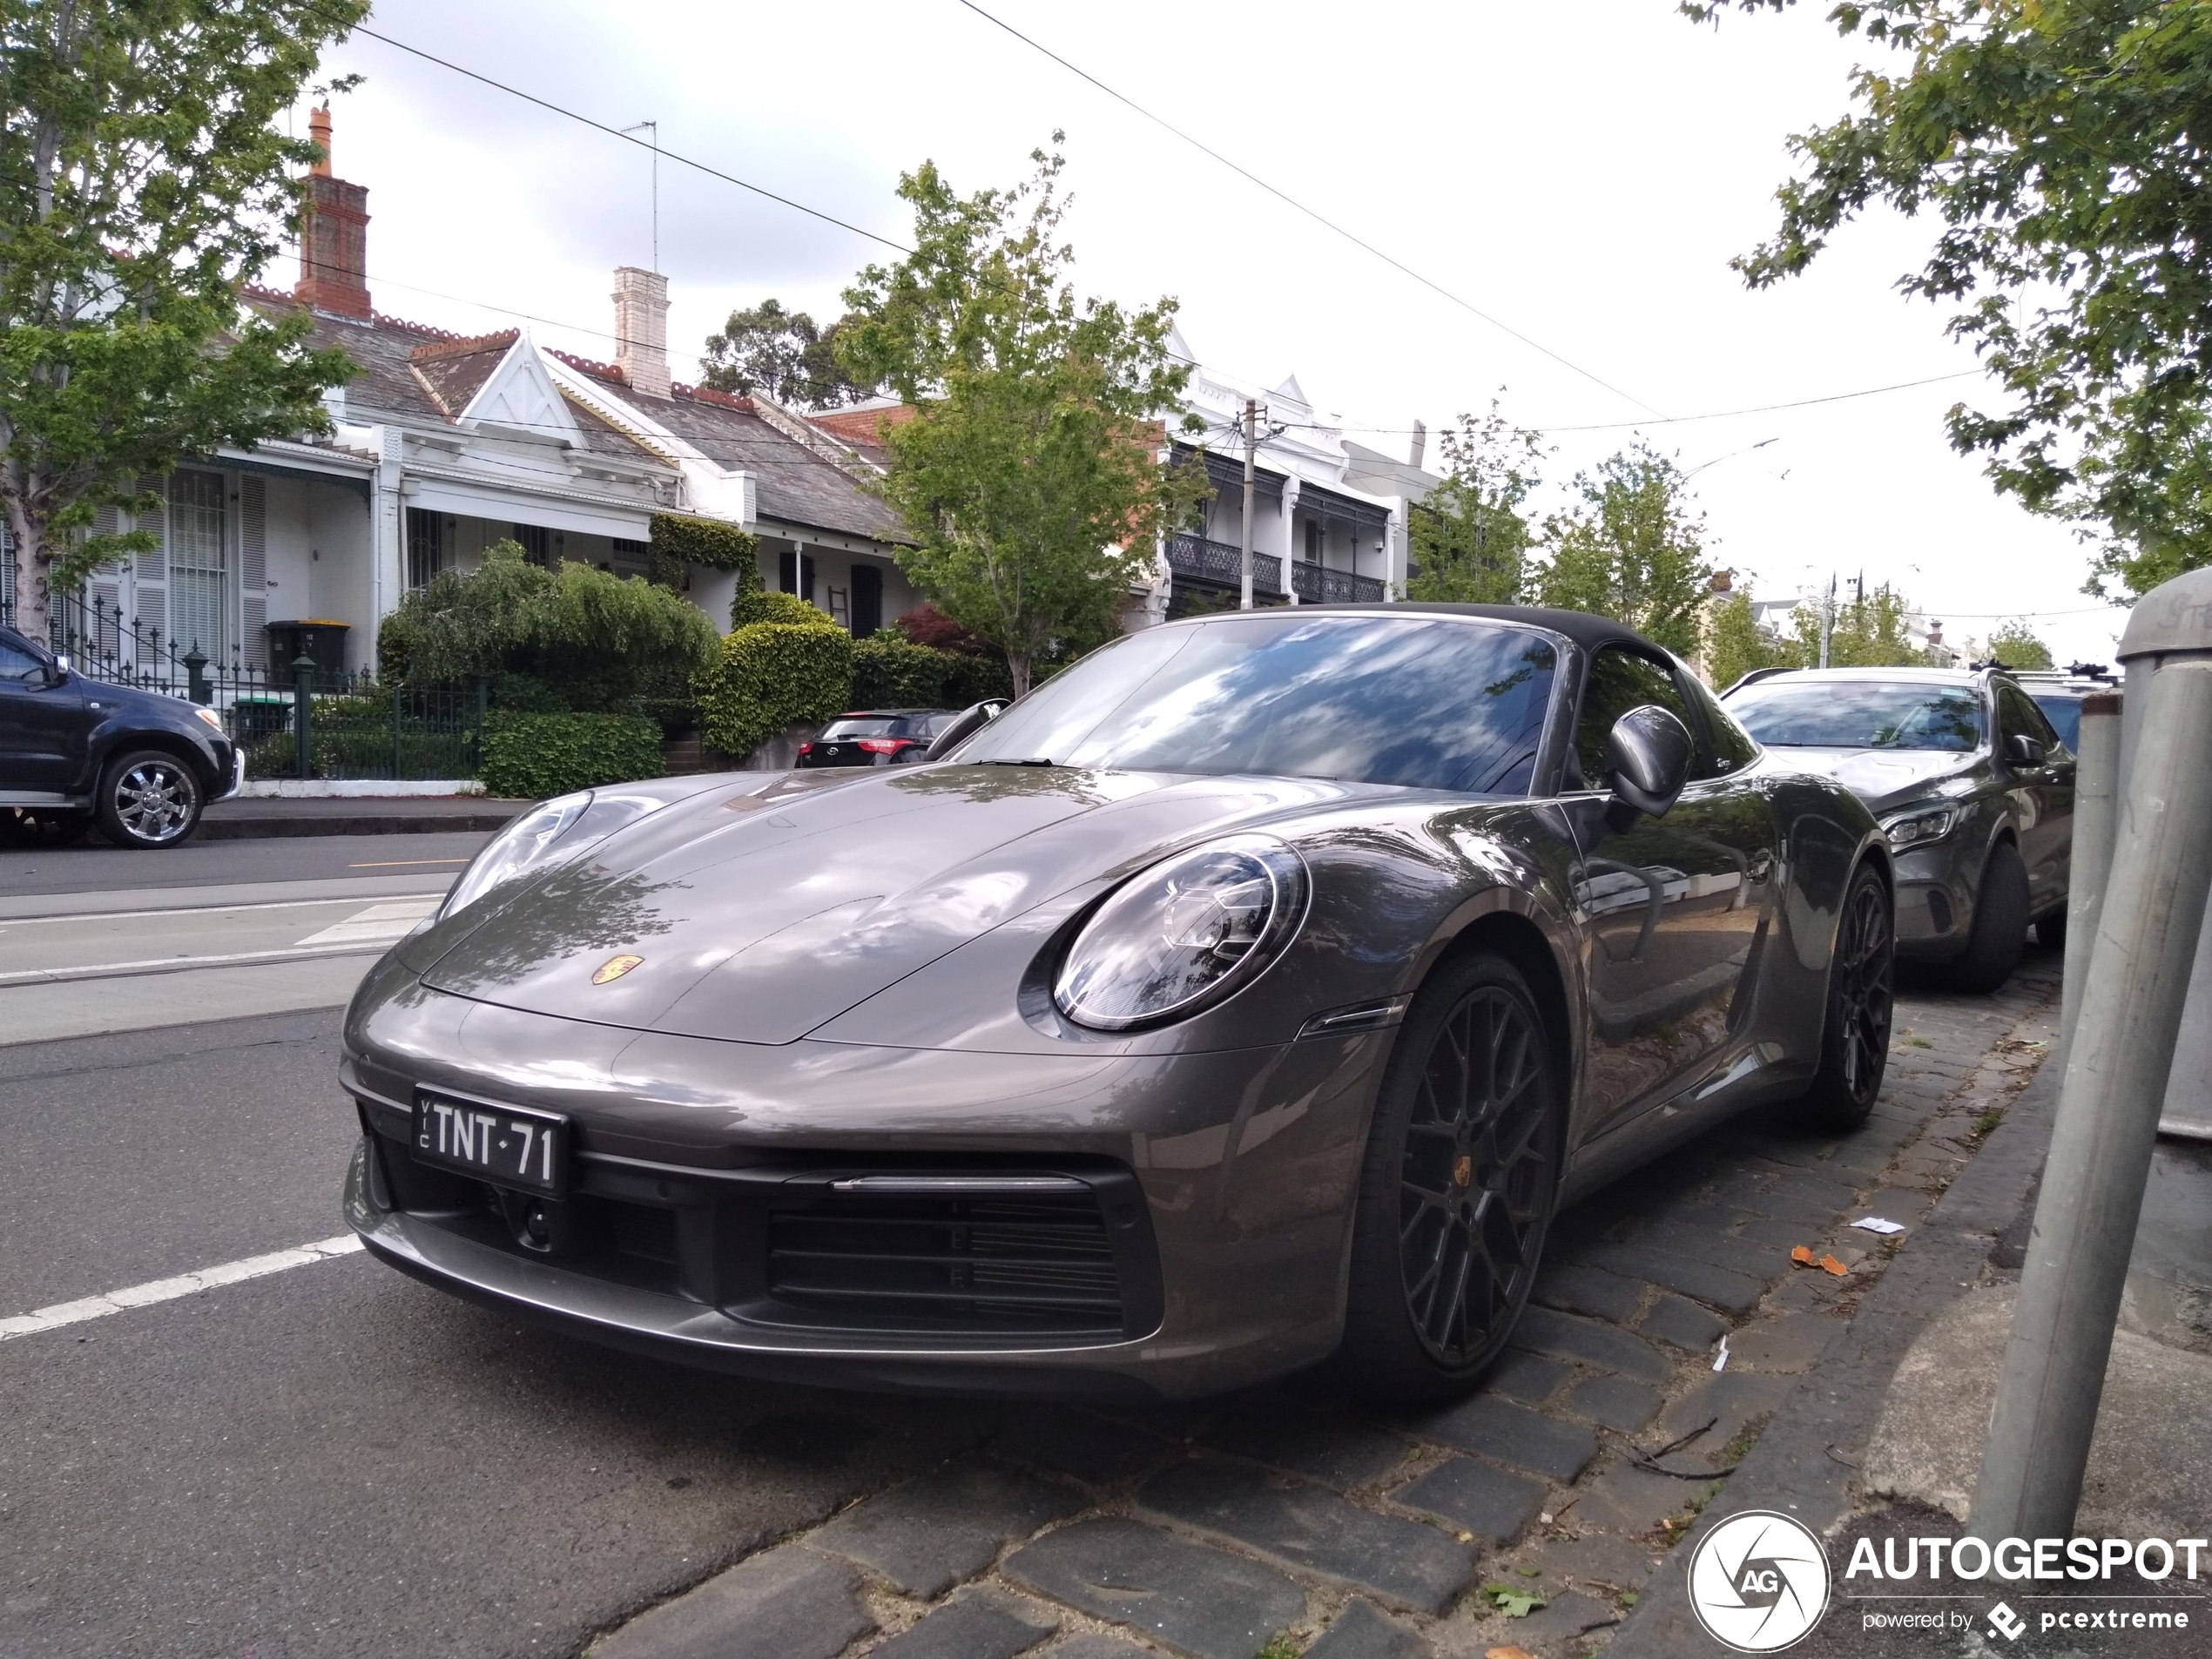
<point>1031,760</point>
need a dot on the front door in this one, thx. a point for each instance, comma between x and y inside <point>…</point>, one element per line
<point>1670,906</point>
<point>42,726</point>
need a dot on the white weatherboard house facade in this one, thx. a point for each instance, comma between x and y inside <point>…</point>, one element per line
<point>445,444</point>
<point>1329,518</point>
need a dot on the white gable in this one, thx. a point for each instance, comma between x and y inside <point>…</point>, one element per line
<point>521,395</point>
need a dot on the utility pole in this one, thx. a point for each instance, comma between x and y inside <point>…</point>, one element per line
<point>1251,449</point>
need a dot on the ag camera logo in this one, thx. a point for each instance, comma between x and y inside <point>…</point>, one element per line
<point>1759,1581</point>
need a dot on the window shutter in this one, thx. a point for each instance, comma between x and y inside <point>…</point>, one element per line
<point>149,605</point>
<point>253,570</point>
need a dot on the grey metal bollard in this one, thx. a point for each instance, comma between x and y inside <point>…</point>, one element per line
<point>2047,1393</point>
<point>2173,622</point>
<point>2096,814</point>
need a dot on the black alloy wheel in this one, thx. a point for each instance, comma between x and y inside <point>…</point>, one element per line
<point>1457,1195</point>
<point>147,800</point>
<point>1862,991</point>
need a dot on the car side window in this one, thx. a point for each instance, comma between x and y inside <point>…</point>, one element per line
<point>2017,715</point>
<point>1727,747</point>
<point>17,663</point>
<point>1618,681</point>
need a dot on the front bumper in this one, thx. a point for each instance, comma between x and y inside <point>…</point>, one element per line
<point>237,773</point>
<point>1206,1213</point>
<point>1936,887</point>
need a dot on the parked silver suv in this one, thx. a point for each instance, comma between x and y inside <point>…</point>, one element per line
<point>1968,778</point>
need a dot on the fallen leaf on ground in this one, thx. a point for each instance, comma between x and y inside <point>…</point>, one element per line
<point>1513,1601</point>
<point>1510,1651</point>
<point>1834,1267</point>
<point>1801,1257</point>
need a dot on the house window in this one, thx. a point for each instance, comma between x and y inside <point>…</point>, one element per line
<point>1313,533</point>
<point>199,563</point>
<point>428,546</point>
<point>537,544</point>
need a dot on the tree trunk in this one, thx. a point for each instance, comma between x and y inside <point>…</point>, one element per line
<point>26,545</point>
<point>1017,666</point>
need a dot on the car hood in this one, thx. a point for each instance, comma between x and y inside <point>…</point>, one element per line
<point>1884,777</point>
<point>760,911</point>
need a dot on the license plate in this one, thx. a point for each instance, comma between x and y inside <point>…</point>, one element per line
<point>507,1146</point>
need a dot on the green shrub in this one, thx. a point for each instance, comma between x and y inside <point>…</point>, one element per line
<point>889,673</point>
<point>592,640</point>
<point>755,605</point>
<point>704,540</point>
<point>529,757</point>
<point>773,675</point>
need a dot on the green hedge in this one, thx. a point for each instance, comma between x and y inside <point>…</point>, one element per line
<point>889,673</point>
<point>709,542</point>
<point>773,675</point>
<point>527,757</point>
<point>750,606</point>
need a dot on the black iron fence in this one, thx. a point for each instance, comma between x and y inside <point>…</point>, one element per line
<point>1223,564</point>
<point>1318,585</point>
<point>296,719</point>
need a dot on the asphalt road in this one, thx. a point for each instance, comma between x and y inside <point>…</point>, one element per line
<point>332,1460</point>
<point>306,857</point>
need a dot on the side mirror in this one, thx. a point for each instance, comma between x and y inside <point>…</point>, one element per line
<point>60,670</point>
<point>972,719</point>
<point>1647,759</point>
<point>2023,751</point>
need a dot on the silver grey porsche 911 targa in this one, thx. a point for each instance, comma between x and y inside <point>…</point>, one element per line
<point>1253,992</point>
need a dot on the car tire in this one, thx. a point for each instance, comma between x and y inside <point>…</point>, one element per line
<point>2050,931</point>
<point>1998,937</point>
<point>149,799</point>
<point>1457,1188</point>
<point>1862,987</point>
<point>41,827</point>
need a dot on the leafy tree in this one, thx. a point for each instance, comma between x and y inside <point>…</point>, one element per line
<point>2061,144</point>
<point>1028,477</point>
<point>142,183</point>
<point>1739,645</point>
<point>1633,549</point>
<point>783,354</point>
<point>577,638</point>
<point>2015,646</point>
<point>1869,632</point>
<point>1470,541</point>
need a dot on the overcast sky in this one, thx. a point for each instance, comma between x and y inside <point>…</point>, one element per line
<point>1580,173</point>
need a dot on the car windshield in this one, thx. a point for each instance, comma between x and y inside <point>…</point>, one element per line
<point>858,728</point>
<point>1427,702</point>
<point>2065,715</point>
<point>1859,714</point>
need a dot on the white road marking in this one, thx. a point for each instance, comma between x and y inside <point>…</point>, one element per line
<point>381,922</point>
<point>201,910</point>
<point>168,1290</point>
<point>187,964</point>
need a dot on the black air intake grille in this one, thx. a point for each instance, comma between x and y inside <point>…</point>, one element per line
<point>1035,1263</point>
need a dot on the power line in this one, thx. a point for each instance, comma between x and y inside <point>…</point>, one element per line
<point>1321,219</point>
<point>616,132</point>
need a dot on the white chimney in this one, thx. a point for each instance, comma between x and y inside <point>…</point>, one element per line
<point>1420,444</point>
<point>641,329</point>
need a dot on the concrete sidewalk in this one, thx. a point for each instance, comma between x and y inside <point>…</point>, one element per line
<point>249,819</point>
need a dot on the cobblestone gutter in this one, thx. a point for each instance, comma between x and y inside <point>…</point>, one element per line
<point>1529,1515</point>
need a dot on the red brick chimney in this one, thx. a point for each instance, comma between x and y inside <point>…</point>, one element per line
<point>334,235</point>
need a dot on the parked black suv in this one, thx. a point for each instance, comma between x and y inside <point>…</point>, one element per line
<point>74,750</point>
<point>876,738</point>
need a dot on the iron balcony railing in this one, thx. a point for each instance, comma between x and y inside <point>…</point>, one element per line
<point>1317,584</point>
<point>1194,555</point>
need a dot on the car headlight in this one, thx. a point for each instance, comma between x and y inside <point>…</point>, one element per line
<point>1183,934</point>
<point>212,718</point>
<point>1915,828</point>
<point>554,830</point>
